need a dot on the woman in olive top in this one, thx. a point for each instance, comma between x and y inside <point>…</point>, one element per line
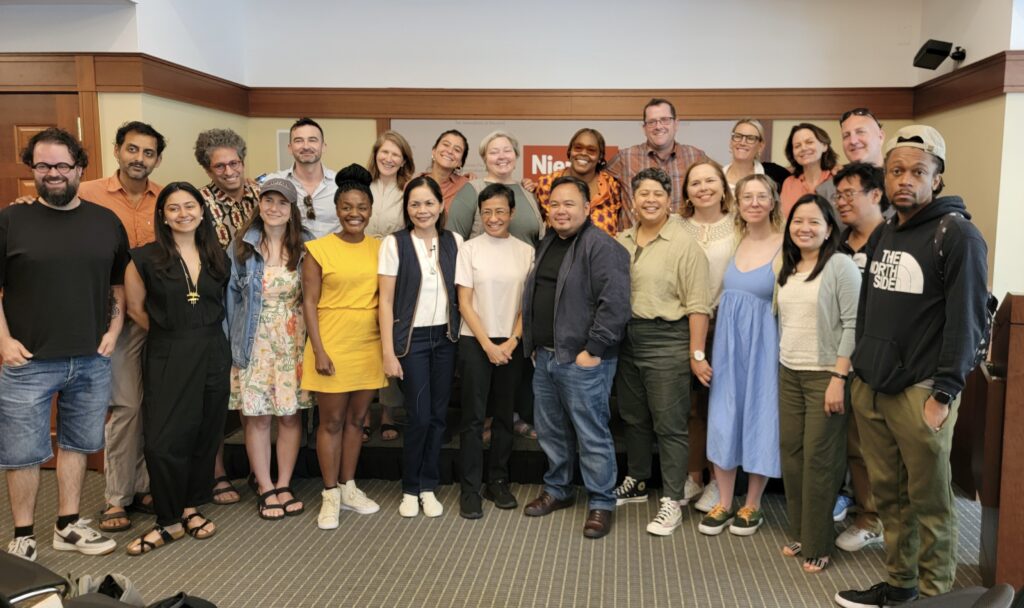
<point>671,301</point>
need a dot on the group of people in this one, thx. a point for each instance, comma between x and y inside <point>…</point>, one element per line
<point>746,316</point>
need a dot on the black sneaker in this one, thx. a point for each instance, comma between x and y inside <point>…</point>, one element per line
<point>630,490</point>
<point>879,596</point>
<point>470,506</point>
<point>498,493</point>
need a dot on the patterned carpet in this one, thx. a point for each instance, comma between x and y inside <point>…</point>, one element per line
<point>502,560</point>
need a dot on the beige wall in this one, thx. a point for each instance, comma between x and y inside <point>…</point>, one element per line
<point>1009,246</point>
<point>348,141</point>
<point>974,161</point>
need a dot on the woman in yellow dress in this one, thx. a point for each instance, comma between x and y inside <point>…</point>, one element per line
<point>343,356</point>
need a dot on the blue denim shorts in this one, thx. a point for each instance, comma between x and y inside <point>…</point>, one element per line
<point>83,388</point>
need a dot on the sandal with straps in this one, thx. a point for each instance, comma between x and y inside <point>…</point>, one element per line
<point>198,532</point>
<point>288,503</point>
<point>262,506</point>
<point>814,565</point>
<point>792,549</point>
<point>218,492</point>
<point>146,546</point>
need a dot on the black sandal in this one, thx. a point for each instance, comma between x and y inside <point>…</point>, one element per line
<point>120,513</point>
<point>146,546</point>
<point>367,433</point>
<point>293,501</point>
<point>198,532</point>
<point>262,507</point>
<point>384,428</point>
<point>221,491</point>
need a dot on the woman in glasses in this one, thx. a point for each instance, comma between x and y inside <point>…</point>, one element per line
<point>746,144</point>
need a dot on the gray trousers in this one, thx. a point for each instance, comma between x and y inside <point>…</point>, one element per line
<point>123,462</point>
<point>653,390</point>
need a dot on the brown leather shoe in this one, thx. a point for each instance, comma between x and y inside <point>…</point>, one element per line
<point>599,523</point>
<point>545,504</point>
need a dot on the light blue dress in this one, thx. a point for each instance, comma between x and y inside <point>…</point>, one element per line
<point>743,415</point>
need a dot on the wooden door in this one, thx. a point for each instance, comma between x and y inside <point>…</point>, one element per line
<point>22,115</point>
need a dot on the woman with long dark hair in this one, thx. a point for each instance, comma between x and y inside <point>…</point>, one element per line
<point>267,333</point>
<point>817,302</point>
<point>342,359</point>
<point>175,289</point>
<point>419,326</point>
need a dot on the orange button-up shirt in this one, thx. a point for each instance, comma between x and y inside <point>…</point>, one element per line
<point>137,218</point>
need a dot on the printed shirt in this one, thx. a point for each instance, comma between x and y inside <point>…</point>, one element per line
<point>228,216</point>
<point>605,204</point>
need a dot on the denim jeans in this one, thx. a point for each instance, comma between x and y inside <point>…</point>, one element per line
<point>83,384</point>
<point>427,372</point>
<point>570,409</point>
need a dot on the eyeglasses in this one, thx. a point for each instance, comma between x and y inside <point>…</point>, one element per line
<point>494,213</point>
<point>308,202</point>
<point>664,121</point>
<point>220,168</point>
<point>858,112</point>
<point>750,198</point>
<point>846,195</point>
<point>750,139</point>
<point>44,168</point>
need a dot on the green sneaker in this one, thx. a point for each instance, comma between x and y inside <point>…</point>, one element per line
<point>715,522</point>
<point>747,521</point>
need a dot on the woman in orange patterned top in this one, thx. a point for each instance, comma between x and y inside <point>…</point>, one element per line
<point>587,162</point>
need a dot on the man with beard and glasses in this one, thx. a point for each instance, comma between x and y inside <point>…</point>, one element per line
<point>660,150</point>
<point>314,182</point>
<point>62,263</point>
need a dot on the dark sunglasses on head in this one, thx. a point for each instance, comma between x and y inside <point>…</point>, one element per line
<point>858,112</point>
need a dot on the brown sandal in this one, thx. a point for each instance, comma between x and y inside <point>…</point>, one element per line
<point>120,513</point>
<point>146,546</point>
<point>198,532</point>
<point>218,492</point>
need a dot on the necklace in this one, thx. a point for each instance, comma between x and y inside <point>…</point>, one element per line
<point>193,288</point>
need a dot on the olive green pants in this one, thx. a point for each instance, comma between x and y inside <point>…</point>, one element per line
<point>908,465</point>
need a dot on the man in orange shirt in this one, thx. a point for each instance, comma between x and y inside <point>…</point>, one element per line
<point>131,195</point>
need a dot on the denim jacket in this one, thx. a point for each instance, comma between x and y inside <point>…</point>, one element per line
<point>245,296</point>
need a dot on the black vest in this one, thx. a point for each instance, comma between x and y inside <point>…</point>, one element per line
<point>407,287</point>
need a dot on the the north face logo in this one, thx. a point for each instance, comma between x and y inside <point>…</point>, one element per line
<point>897,271</point>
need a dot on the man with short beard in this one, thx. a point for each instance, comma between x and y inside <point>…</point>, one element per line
<point>131,195</point>
<point>314,182</point>
<point>62,263</point>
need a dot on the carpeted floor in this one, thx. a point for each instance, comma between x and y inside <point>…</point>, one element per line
<point>502,560</point>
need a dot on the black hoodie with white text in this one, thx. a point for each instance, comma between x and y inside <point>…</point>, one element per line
<point>921,315</point>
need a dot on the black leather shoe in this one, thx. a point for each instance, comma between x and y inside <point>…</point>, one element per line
<point>470,506</point>
<point>498,493</point>
<point>599,523</point>
<point>546,504</point>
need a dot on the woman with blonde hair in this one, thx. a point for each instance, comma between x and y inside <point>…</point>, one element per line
<point>746,144</point>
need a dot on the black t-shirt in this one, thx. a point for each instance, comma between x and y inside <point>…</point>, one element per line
<point>56,270</point>
<point>544,294</point>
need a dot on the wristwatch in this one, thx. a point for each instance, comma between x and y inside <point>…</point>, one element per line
<point>942,397</point>
<point>698,355</point>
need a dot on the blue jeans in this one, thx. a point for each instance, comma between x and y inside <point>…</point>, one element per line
<point>427,372</point>
<point>83,385</point>
<point>570,407</point>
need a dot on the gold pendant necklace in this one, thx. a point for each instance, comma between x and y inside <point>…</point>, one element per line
<point>193,288</point>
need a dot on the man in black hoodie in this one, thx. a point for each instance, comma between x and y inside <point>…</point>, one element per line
<point>919,323</point>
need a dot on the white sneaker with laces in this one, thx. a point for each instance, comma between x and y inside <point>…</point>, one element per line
<point>23,547</point>
<point>80,536</point>
<point>854,539</point>
<point>709,498</point>
<point>432,507</point>
<point>353,499</point>
<point>691,491</point>
<point>410,505</point>
<point>330,509</point>
<point>669,517</point>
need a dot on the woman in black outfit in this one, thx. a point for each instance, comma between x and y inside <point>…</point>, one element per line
<point>175,290</point>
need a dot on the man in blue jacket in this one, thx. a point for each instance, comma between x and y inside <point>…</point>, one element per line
<point>920,321</point>
<point>575,310</point>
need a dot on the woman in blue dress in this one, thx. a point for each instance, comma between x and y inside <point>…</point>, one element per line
<point>743,416</point>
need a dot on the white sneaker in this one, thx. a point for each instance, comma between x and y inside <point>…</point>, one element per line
<point>23,547</point>
<point>353,499</point>
<point>410,505</point>
<point>691,490</point>
<point>80,536</point>
<point>854,539</point>
<point>432,507</point>
<point>669,517</point>
<point>330,509</point>
<point>709,498</point>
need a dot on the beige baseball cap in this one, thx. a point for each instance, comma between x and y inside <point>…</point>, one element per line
<point>921,137</point>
